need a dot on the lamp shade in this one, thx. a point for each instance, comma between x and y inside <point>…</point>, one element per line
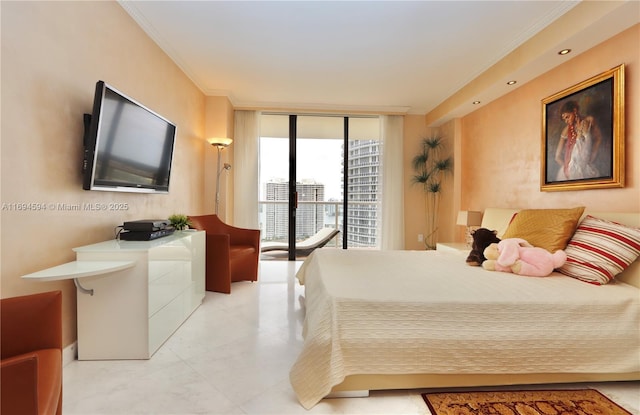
<point>469,218</point>
<point>220,141</point>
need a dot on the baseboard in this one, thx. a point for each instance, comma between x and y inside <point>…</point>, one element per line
<point>69,353</point>
<point>364,393</point>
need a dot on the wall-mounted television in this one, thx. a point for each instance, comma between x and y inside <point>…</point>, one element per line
<point>127,147</point>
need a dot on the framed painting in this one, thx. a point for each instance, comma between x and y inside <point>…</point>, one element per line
<point>583,135</point>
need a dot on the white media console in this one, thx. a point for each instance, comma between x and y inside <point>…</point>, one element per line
<point>132,295</point>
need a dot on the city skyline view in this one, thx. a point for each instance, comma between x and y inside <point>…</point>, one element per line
<point>318,159</point>
<point>319,165</point>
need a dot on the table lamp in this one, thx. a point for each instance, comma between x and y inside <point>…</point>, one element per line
<point>471,220</point>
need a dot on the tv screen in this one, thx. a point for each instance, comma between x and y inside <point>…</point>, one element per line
<point>128,147</point>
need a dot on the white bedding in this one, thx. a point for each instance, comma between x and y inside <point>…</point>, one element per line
<point>402,312</point>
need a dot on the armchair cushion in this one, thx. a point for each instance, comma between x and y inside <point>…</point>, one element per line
<point>31,351</point>
<point>33,381</point>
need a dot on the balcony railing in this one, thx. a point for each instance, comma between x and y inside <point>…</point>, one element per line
<point>311,216</point>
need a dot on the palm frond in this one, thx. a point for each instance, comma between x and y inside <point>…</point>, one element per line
<point>432,142</point>
<point>445,165</point>
<point>434,187</point>
<point>420,178</point>
<point>420,161</point>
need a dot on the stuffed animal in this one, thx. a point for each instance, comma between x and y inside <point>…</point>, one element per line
<point>519,257</point>
<point>482,238</point>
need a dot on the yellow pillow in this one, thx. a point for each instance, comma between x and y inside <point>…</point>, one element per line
<point>550,229</point>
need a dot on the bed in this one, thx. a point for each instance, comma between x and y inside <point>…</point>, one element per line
<point>418,319</point>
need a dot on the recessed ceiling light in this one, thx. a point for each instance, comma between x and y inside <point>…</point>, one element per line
<point>475,102</point>
<point>564,51</point>
<point>511,82</point>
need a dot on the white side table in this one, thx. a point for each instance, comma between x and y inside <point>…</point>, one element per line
<point>79,269</point>
<point>459,248</point>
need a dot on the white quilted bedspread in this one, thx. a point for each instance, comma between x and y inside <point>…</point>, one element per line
<point>400,312</point>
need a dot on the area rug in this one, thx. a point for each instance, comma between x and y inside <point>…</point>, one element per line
<point>530,402</point>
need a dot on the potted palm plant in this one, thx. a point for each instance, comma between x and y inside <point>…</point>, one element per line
<point>430,169</point>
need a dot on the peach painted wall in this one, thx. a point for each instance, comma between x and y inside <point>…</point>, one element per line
<point>501,142</point>
<point>52,55</point>
<point>496,149</point>
<point>414,218</point>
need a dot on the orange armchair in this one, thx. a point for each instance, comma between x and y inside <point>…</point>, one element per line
<point>31,350</point>
<point>232,253</point>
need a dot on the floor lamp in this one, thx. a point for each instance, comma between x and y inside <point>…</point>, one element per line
<point>221,143</point>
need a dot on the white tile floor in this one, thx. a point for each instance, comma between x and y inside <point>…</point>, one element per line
<point>233,356</point>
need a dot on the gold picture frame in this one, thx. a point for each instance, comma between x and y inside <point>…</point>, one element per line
<point>583,135</point>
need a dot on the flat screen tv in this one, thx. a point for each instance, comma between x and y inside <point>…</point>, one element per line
<point>128,147</point>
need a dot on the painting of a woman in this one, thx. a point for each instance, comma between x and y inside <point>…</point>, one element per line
<point>583,135</point>
<point>578,145</point>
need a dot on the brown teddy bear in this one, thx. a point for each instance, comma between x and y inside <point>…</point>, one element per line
<point>482,238</point>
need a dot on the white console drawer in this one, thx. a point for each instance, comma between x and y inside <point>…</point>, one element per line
<point>164,289</point>
<point>163,323</point>
<point>158,269</point>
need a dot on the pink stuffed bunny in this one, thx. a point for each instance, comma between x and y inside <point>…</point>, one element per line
<point>519,257</point>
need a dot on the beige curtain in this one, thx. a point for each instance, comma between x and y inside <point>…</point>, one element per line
<point>245,165</point>
<point>392,206</point>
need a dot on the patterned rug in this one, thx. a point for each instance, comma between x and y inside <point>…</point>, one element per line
<point>532,402</point>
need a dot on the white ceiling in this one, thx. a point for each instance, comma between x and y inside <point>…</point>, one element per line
<point>387,56</point>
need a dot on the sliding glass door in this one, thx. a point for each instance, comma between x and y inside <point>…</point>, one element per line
<point>313,176</point>
<point>319,174</point>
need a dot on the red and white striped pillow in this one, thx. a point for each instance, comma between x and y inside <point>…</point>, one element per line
<point>599,250</point>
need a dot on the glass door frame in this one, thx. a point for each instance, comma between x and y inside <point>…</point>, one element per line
<point>293,193</point>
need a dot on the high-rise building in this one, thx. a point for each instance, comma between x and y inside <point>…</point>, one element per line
<point>363,173</point>
<point>309,216</point>
<point>276,214</point>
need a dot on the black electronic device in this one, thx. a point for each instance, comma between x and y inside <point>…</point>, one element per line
<point>127,147</point>
<point>144,235</point>
<point>147,225</point>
